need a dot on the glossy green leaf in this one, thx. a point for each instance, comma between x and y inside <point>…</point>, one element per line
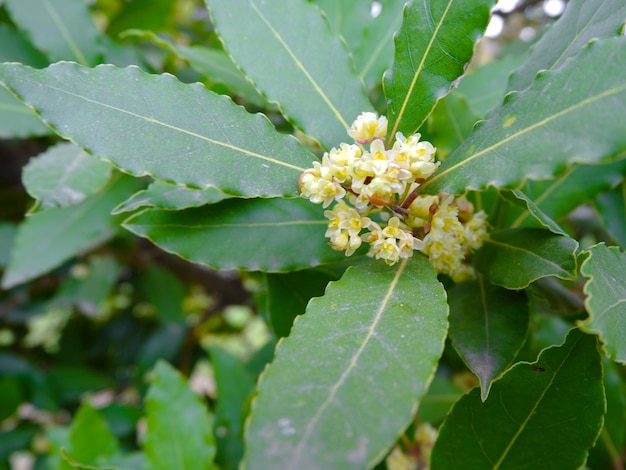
<point>432,48</point>
<point>288,294</point>
<point>368,33</point>
<point>89,439</point>
<point>47,239</point>
<point>178,434</point>
<point>488,326</point>
<point>582,21</point>
<point>64,175</point>
<point>234,385</point>
<point>485,87</point>
<point>514,258</point>
<point>612,209</point>
<point>578,119</point>
<point>370,346</point>
<point>63,29</point>
<point>160,195</point>
<point>155,125</point>
<point>310,75</point>
<point>606,298</point>
<point>557,198</point>
<point>450,124</point>
<point>274,235</point>
<point>541,415</point>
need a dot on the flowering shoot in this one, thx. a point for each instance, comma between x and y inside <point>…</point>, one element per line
<point>376,189</point>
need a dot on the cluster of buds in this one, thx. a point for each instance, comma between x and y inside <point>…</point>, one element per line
<point>376,190</point>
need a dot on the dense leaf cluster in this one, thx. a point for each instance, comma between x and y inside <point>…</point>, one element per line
<point>189,124</point>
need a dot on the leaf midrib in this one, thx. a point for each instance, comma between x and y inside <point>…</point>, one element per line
<point>216,226</point>
<point>56,19</point>
<point>419,70</point>
<point>168,126</point>
<point>353,363</point>
<point>299,65</point>
<point>531,253</point>
<point>521,132</point>
<point>532,412</point>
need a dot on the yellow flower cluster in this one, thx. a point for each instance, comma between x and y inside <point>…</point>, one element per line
<point>369,179</point>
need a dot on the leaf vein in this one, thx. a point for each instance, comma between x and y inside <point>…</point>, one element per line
<point>178,129</point>
<point>521,132</point>
<point>299,64</point>
<point>353,363</point>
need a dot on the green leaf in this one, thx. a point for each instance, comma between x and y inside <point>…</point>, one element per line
<point>155,125</point>
<point>141,14</point>
<point>234,385</point>
<point>290,53</point>
<point>450,124</point>
<point>16,120</point>
<point>541,415</point>
<point>520,199</point>
<point>485,87</point>
<point>63,29</point>
<point>369,38</point>
<point>433,46</point>
<point>606,298</point>
<point>288,294</point>
<point>165,196</point>
<point>178,434</point>
<point>514,258</point>
<point>64,175</point>
<point>47,239</point>
<point>441,395</point>
<point>274,235</point>
<point>612,209</point>
<point>577,120</point>
<point>370,346</point>
<point>90,438</point>
<point>557,198</point>
<point>16,48</point>
<point>582,21</point>
<point>215,64</point>
<point>488,326</point>
<point>606,454</point>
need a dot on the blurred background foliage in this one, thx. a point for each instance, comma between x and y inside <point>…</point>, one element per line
<point>93,328</point>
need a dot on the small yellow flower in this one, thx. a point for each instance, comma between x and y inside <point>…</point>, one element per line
<point>417,157</point>
<point>344,227</point>
<point>318,185</point>
<point>368,127</point>
<point>390,243</point>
